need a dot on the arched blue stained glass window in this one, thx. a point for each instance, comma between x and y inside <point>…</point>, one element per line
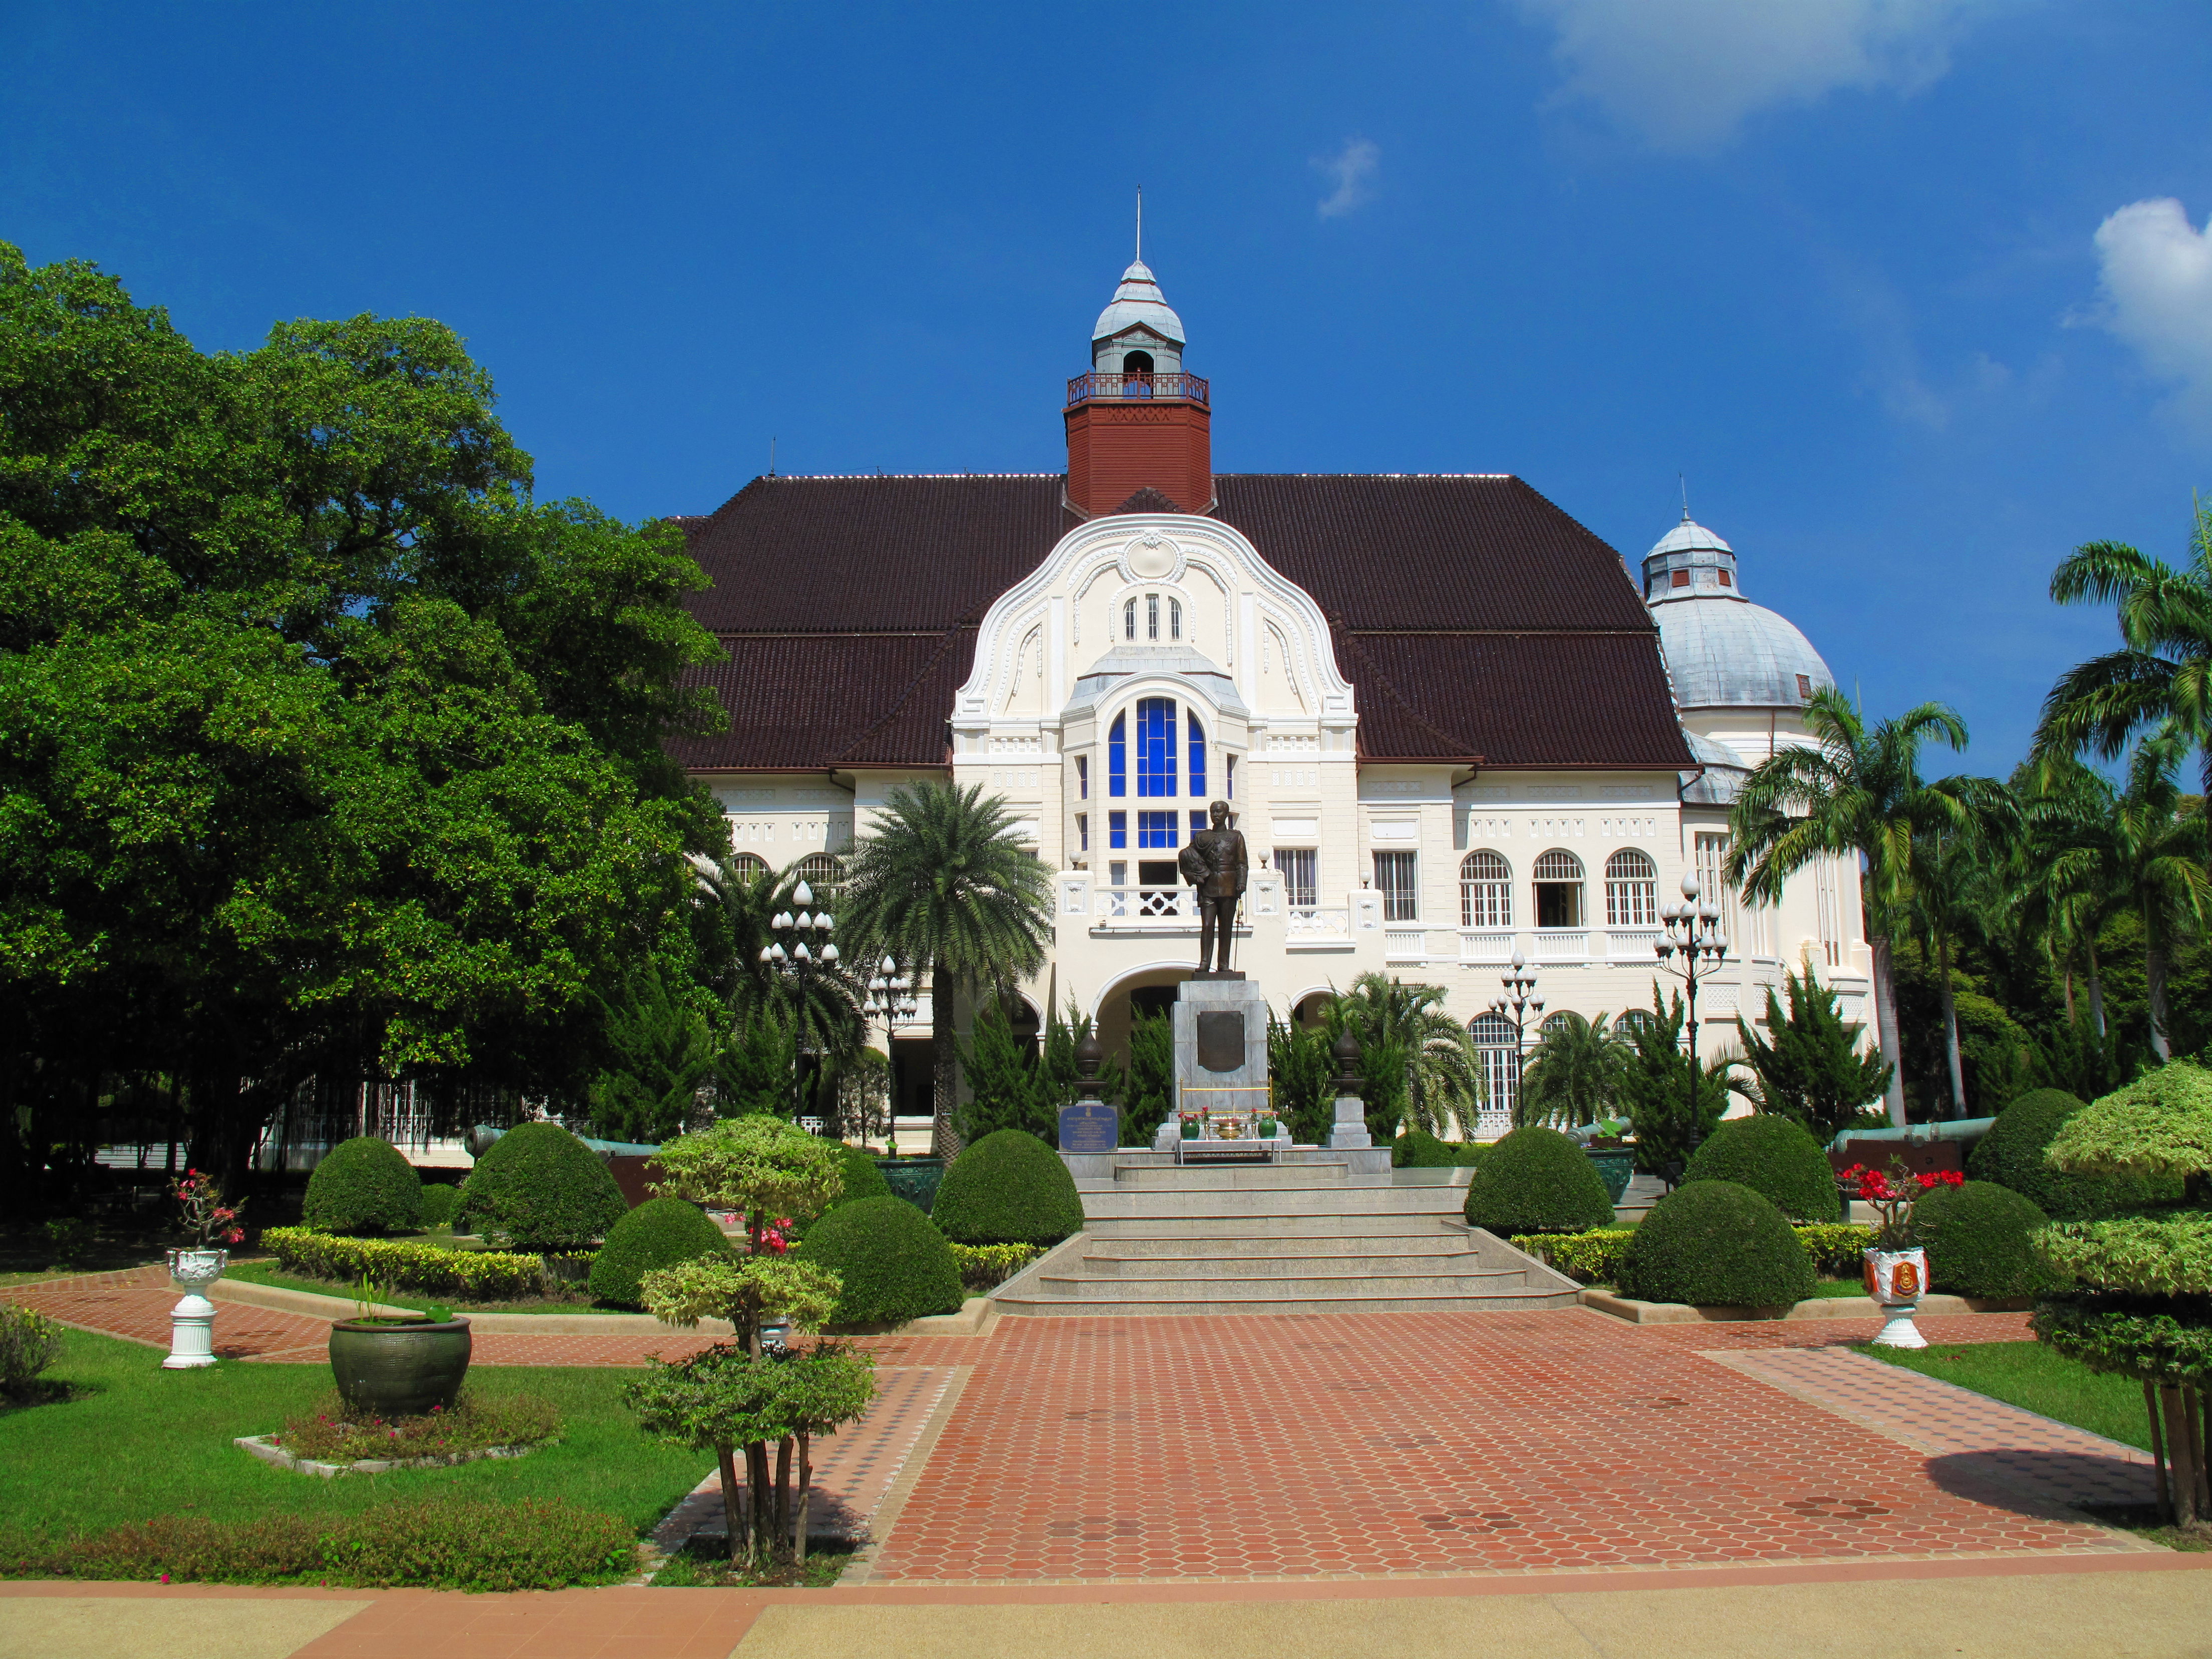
<point>1197,756</point>
<point>1117,759</point>
<point>1156,746</point>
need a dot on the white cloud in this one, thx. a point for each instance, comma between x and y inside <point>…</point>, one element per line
<point>2157,282</point>
<point>1682,74</point>
<point>1352,171</point>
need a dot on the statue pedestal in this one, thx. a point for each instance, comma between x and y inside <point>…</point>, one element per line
<point>1349,1133</point>
<point>1220,1054</point>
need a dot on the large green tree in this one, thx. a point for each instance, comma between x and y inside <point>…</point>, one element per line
<point>1854,792</point>
<point>940,886</point>
<point>326,750</point>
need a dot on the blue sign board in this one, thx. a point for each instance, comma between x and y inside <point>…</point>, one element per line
<point>1089,1126</point>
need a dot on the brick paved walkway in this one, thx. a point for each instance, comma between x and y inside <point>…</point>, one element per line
<point>1419,1443</point>
<point>1251,1448</point>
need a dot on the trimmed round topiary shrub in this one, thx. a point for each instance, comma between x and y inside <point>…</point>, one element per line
<point>2011,1155</point>
<point>1537,1181</point>
<point>895,1264</point>
<point>661,1232</point>
<point>1415,1150</point>
<point>1977,1237</point>
<point>363,1186</point>
<point>1777,1157</point>
<point>1008,1188</point>
<point>1716,1244</point>
<point>543,1188</point>
<point>863,1178</point>
<point>440,1201</point>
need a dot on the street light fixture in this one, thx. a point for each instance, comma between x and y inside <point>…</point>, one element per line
<point>1519,1006</point>
<point>1692,946</point>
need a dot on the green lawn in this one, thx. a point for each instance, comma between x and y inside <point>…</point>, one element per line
<point>136,1442</point>
<point>268,1272</point>
<point>2031,1375</point>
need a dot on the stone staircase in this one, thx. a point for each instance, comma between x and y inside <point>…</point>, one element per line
<point>1318,1232</point>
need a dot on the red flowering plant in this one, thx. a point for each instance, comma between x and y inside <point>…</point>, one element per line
<point>1895,1196</point>
<point>209,1221</point>
<point>773,1237</point>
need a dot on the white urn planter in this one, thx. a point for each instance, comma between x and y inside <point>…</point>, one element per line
<point>191,1321</point>
<point>1898,1279</point>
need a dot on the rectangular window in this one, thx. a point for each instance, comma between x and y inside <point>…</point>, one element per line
<point>1296,865</point>
<point>1156,746</point>
<point>1197,753</point>
<point>1083,777</point>
<point>1117,758</point>
<point>1117,874</point>
<point>1229,777</point>
<point>1197,822</point>
<point>1157,829</point>
<point>1152,616</point>
<point>1117,828</point>
<point>1711,852</point>
<point>1395,880</point>
<point>1082,832</point>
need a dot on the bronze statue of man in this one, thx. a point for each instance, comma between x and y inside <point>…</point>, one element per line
<point>1214,864</point>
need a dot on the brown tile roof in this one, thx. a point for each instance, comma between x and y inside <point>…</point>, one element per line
<point>1475,619</point>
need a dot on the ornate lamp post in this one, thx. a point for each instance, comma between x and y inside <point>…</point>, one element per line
<point>891,994</point>
<point>1692,947</point>
<point>1519,1005</point>
<point>800,946</point>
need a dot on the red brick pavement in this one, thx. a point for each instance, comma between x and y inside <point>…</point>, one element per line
<point>1242,1448</point>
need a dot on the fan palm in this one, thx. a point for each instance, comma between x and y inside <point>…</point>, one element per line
<point>1443,1077</point>
<point>1854,792</point>
<point>1575,1074</point>
<point>821,1006</point>
<point>939,887</point>
<point>2162,675</point>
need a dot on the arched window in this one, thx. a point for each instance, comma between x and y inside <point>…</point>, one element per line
<point>1497,1047</point>
<point>1197,756</point>
<point>1152,616</point>
<point>1632,890</point>
<point>823,876</point>
<point>748,866</point>
<point>1156,746</point>
<point>1486,891</point>
<point>1129,620</point>
<point>1174,619</point>
<point>1558,889</point>
<point>1117,756</point>
<point>1137,362</point>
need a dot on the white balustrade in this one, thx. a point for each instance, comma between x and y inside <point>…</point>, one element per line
<point>1405,944</point>
<point>1486,945</point>
<point>1306,921</point>
<point>1562,944</point>
<point>1140,905</point>
<point>1637,946</point>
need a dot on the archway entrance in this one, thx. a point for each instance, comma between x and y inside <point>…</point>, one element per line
<point>1152,990</point>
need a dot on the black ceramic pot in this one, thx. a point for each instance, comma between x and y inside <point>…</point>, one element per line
<point>398,1369</point>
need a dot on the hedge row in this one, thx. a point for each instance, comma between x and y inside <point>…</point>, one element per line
<point>527,1544</point>
<point>479,1275</point>
<point>1589,1258</point>
<point>982,1266</point>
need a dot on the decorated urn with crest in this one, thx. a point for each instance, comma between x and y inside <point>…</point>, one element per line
<point>1896,1268</point>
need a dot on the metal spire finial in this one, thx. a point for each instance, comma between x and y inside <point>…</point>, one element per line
<point>1685,483</point>
<point>1141,224</point>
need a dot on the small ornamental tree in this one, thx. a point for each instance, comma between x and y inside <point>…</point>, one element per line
<point>1775,1158</point>
<point>543,1188</point>
<point>2136,1299</point>
<point>363,1186</point>
<point>1673,1100</point>
<point>759,1166</point>
<point>750,1291</point>
<point>1536,1181</point>
<point>729,1401</point>
<point>1812,1070</point>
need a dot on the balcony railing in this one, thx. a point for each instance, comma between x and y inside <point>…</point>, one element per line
<point>1308,922</point>
<point>1139,905</point>
<point>1630,944</point>
<point>1135,388</point>
<point>1405,944</point>
<point>1486,944</point>
<point>1562,944</point>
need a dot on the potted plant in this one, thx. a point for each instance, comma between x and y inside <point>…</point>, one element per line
<point>211,1225</point>
<point>401,1364</point>
<point>1896,1266</point>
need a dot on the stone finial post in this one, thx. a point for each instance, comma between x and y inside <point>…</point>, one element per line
<point>1350,1132</point>
<point>1089,1055</point>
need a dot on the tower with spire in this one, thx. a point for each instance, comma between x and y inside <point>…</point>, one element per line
<point>1137,421</point>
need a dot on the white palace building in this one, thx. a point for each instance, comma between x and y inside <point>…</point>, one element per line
<point>1453,725</point>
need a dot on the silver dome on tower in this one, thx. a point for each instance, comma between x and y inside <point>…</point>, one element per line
<point>1723,651</point>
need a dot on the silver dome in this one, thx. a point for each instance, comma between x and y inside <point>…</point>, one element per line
<point>1723,651</point>
<point>1139,303</point>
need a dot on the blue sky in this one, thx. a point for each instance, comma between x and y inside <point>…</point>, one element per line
<point>1901,285</point>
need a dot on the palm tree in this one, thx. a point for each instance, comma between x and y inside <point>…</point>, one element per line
<point>2069,883</point>
<point>940,887</point>
<point>2162,675</point>
<point>1575,1073</point>
<point>1443,1077</point>
<point>821,1006</point>
<point>1954,896</point>
<point>1853,792</point>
